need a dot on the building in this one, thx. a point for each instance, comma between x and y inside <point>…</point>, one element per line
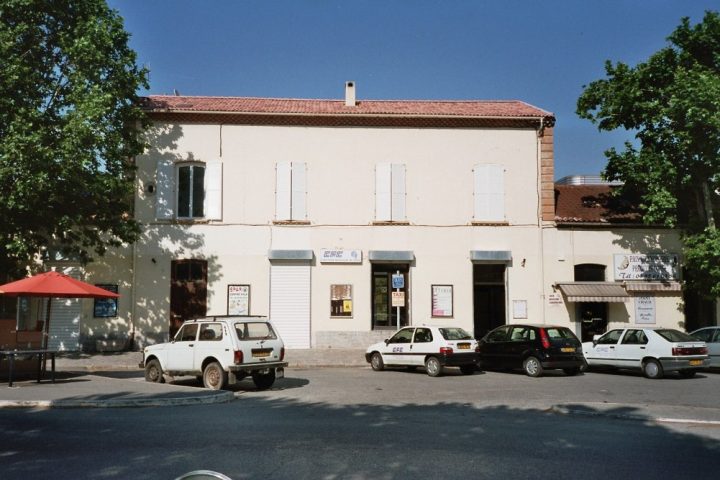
<point>342,219</point>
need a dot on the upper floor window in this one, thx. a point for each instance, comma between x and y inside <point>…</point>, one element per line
<point>489,193</point>
<point>390,192</point>
<point>189,190</point>
<point>290,191</point>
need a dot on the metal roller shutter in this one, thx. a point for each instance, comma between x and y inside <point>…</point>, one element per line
<point>290,303</point>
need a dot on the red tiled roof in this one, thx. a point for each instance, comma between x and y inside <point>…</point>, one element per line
<point>593,204</point>
<point>389,108</point>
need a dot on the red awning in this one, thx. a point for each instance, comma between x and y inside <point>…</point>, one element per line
<point>54,284</point>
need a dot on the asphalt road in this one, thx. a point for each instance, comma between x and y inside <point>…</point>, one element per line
<point>359,424</point>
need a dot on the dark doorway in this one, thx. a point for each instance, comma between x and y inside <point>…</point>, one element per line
<point>188,292</point>
<point>593,315</point>
<point>384,315</point>
<point>593,319</point>
<point>488,297</point>
<point>699,311</point>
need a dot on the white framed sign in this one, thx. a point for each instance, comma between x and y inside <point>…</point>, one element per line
<point>238,300</point>
<point>442,300</point>
<point>646,267</point>
<point>645,310</point>
<point>519,309</point>
<point>339,255</point>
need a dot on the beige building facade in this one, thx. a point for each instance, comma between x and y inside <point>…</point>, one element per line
<point>342,219</point>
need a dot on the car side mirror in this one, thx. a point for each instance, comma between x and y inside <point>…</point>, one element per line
<point>594,342</point>
<point>387,340</point>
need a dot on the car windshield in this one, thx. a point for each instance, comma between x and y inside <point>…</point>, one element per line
<point>254,331</point>
<point>455,334</point>
<point>675,336</point>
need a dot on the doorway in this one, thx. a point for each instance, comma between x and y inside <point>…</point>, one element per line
<point>488,297</point>
<point>384,315</point>
<point>188,292</point>
<point>593,319</point>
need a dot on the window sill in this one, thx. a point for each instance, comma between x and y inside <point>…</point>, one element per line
<point>390,223</point>
<point>503,223</point>
<point>291,222</point>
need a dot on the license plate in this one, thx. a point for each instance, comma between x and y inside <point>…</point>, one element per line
<point>695,362</point>
<point>567,349</point>
<point>463,346</point>
<point>261,353</point>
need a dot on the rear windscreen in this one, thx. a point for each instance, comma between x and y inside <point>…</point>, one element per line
<point>675,336</point>
<point>455,334</point>
<point>254,331</point>
<point>559,333</point>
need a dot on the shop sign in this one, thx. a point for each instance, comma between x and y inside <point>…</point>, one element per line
<point>398,299</point>
<point>646,267</point>
<point>645,310</point>
<point>328,255</point>
<point>554,299</point>
<point>398,281</point>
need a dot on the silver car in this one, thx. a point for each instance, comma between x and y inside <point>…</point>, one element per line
<point>711,336</point>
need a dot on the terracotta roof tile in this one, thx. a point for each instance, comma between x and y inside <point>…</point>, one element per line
<point>282,106</point>
<point>593,204</point>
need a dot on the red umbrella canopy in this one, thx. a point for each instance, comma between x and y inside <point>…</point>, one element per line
<point>54,284</point>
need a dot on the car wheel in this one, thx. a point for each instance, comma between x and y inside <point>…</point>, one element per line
<point>153,372</point>
<point>433,367</point>
<point>468,369</point>
<point>214,377</point>
<point>376,362</point>
<point>687,373</point>
<point>263,381</point>
<point>572,371</point>
<point>532,367</point>
<point>652,369</point>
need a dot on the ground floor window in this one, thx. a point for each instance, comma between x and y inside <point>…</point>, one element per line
<point>384,314</point>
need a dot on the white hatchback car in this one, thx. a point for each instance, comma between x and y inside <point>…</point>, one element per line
<point>431,347</point>
<point>653,351</point>
<point>711,336</point>
<point>219,351</point>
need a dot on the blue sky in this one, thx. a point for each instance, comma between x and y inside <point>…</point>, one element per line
<point>541,52</point>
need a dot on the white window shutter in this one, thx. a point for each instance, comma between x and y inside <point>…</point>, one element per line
<point>496,192</point>
<point>165,190</point>
<point>213,190</point>
<point>383,192</point>
<point>398,192</point>
<point>282,190</point>
<point>489,202</point>
<point>299,191</point>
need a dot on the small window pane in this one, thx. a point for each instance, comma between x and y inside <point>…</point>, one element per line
<point>211,332</point>
<point>610,338</point>
<point>341,304</point>
<point>403,336</point>
<point>198,192</point>
<point>184,187</point>
<point>187,333</point>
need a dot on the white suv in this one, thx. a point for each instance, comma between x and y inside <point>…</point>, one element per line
<point>220,351</point>
<point>431,347</point>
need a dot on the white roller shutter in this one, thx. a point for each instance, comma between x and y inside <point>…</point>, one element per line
<point>165,190</point>
<point>299,189</point>
<point>213,191</point>
<point>398,192</point>
<point>282,190</point>
<point>383,189</point>
<point>64,333</point>
<point>290,303</point>
<point>489,190</point>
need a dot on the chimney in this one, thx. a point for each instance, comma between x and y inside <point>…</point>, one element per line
<point>350,94</point>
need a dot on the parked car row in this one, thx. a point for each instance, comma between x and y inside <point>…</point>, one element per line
<point>537,348</point>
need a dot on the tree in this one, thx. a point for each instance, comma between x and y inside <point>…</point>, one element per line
<point>672,103</point>
<point>70,125</point>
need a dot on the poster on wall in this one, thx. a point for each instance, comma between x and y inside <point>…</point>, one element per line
<point>442,300</point>
<point>520,309</point>
<point>106,307</point>
<point>341,300</point>
<point>645,310</point>
<point>238,299</point>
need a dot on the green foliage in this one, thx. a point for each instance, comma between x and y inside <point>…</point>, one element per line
<point>672,104</point>
<point>70,126</point>
<point>702,257</point>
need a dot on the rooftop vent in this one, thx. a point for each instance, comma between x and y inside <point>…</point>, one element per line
<point>350,94</point>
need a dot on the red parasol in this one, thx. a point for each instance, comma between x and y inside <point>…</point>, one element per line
<point>55,285</point>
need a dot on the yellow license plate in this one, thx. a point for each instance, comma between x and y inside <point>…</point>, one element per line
<point>463,346</point>
<point>261,353</point>
<point>567,349</point>
<point>695,362</point>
